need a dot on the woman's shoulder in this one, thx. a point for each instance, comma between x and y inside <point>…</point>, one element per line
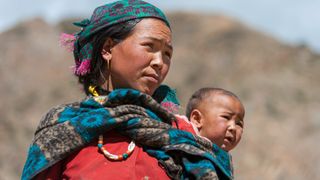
<point>52,115</point>
<point>58,108</point>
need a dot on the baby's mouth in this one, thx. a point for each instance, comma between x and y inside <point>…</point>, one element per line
<point>230,139</point>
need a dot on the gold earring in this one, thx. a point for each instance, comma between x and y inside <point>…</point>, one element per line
<point>109,74</point>
<point>93,91</point>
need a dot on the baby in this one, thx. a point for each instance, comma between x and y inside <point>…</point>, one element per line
<point>217,115</point>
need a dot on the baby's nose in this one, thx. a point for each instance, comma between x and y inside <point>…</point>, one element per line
<point>232,125</point>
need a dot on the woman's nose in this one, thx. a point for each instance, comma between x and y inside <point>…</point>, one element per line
<point>157,61</point>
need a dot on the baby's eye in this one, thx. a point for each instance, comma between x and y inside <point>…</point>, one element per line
<point>239,123</point>
<point>168,54</point>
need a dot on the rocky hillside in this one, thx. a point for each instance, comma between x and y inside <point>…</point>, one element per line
<point>277,83</point>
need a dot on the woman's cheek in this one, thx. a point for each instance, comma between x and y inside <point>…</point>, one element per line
<point>144,51</point>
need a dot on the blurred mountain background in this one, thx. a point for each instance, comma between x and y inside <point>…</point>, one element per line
<point>278,84</point>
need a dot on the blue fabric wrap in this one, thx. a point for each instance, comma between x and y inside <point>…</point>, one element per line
<point>127,111</point>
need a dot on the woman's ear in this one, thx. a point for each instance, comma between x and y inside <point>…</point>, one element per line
<point>106,49</point>
<point>196,118</point>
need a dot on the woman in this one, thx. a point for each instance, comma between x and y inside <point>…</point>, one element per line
<point>120,131</point>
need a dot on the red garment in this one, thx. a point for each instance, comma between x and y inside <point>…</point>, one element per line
<point>90,163</point>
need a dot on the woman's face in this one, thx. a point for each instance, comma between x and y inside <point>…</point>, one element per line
<point>142,60</point>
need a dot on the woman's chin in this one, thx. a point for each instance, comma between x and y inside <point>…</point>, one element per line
<point>149,91</point>
<point>146,89</point>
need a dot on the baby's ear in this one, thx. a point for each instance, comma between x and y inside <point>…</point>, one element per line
<point>196,118</point>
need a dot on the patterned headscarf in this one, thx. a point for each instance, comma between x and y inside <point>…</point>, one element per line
<point>102,18</point>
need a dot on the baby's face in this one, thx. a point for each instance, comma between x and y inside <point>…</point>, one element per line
<point>222,120</point>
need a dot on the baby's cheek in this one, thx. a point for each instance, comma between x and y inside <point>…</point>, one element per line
<point>240,131</point>
<point>239,135</point>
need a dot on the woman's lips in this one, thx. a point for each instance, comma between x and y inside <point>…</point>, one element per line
<point>152,78</point>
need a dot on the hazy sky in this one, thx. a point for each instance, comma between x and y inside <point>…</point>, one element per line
<point>293,21</point>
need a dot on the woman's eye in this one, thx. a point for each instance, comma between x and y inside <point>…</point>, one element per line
<point>226,117</point>
<point>149,46</point>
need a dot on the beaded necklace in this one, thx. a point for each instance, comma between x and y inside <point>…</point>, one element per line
<point>106,153</point>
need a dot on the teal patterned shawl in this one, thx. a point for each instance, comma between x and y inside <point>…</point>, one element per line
<point>68,128</point>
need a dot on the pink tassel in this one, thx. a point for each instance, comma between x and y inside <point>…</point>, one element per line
<point>67,41</point>
<point>83,68</point>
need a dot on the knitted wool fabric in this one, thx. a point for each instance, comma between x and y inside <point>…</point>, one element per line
<point>102,18</point>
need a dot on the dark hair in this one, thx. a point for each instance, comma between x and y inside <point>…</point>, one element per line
<point>117,33</point>
<point>202,94</point>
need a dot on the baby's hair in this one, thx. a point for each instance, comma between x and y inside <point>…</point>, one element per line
<point>202,94</point>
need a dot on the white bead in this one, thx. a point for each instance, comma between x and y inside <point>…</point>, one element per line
<point>131,147</point>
